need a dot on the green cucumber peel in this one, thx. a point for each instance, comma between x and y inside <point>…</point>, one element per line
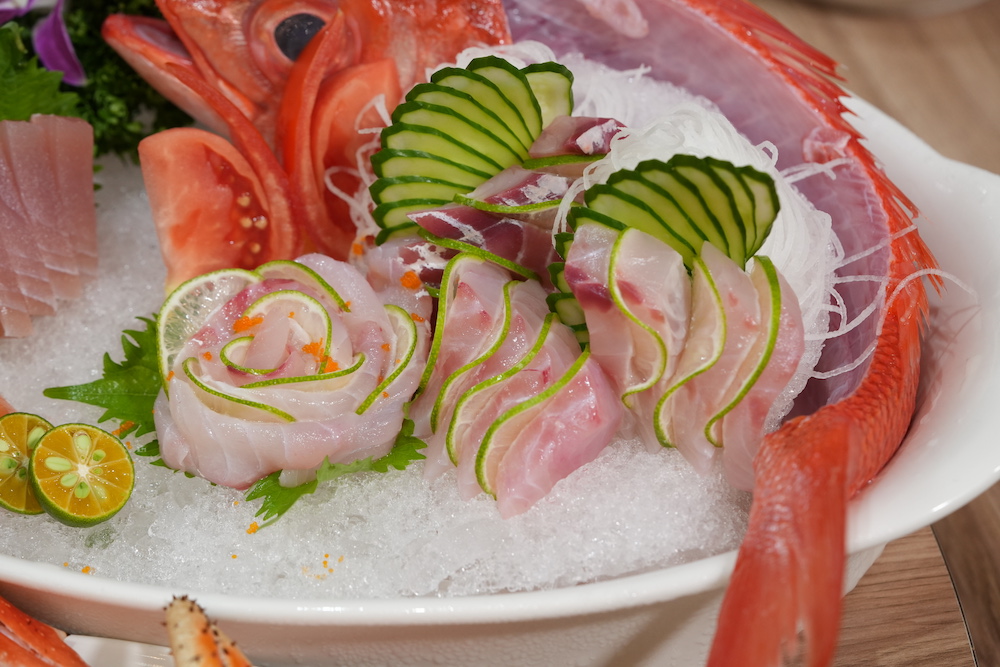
<point>556,160</point>
<point>469,249</point>
<point>494,345</point>
<point>523,362</point>
<point>502,208</point>
<point>521,410</point>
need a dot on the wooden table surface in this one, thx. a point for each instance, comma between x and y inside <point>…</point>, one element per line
<point>939,76</point>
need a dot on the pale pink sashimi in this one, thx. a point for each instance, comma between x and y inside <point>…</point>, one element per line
<point>550,356</point>
<point>349,404</point>
<point>33,182</point>
<point>743,428</point>
<point>470,314</point>
<point>724,311</point>
<point>560,435</point>
<point>636,295</point>
<point>575,135</point>
<point>71,143</point>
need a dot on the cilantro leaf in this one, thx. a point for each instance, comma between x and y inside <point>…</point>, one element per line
<point>128,389</point>
<point>28,87</point>
<point>279,499</point>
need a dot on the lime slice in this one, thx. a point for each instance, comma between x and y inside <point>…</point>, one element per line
<point>403,349</point>
<point>81,474</point>
<point>227,404</point>
<point>19,433</point>
<point>290,270</point>
<point>305,311</point>
<point>188,308</point>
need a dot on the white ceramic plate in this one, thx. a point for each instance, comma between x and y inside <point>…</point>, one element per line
<point>948,458</point>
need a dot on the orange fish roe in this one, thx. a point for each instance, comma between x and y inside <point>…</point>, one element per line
<point>315,348</point>
<point>207,356</point>
<point>329,366</point>
<point>386,347</point>
<point>123,427</point>
<point>254,527</point>
<point>246,322</point>
<point>358,249</point>
<point>340,560</point>
<point>170,376</point>
<point>86,569</point>
<point>385,394</point>
<point>416,318</point>
<point>411,280</point>
<point>347,305</point>
<point>234,556</point>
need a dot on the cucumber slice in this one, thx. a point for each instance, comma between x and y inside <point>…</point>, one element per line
<point>465,130</point>
<point>394,215</point>
<point>515,87</point>
<point>402,136</point>
<point>489,95</point>
<point>390,163</point>
<point>686,202</point>
<point>470,108</point>
<point>552,85</point>
<point>389,190</point>
<point>636,204</point>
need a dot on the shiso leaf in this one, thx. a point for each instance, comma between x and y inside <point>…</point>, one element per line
<point>29,88</point>
<point>278,499</point>
<point>127,390</point>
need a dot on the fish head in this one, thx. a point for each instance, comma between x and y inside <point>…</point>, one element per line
<point>246,49</point>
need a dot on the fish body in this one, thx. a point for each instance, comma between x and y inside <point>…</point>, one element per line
<point>774,87</point>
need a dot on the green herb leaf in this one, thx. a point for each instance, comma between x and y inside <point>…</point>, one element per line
<point>128,389</point>
<point>28,87</point>
<point>279,499</point>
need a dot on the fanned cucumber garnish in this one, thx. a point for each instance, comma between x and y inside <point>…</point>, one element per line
<point>685,202</point>
<point>458,131</point>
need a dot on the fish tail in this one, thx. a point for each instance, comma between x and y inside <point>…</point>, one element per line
<point>789,573</point>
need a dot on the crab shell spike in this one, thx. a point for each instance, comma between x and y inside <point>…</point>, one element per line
<point>196,641</point>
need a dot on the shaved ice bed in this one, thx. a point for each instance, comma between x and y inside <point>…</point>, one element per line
<point>367,536</point>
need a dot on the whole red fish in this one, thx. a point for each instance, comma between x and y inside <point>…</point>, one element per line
<point>774,88</point>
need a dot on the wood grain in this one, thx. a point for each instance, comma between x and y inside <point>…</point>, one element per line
<point>940,77</point>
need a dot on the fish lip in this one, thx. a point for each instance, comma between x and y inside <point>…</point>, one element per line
<point>122,31</point>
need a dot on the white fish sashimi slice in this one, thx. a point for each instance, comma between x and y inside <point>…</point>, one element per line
<point>470,311</point>
<point>635,294</point>
<point>743,428</point>
<point>71,142</point>
<point>554,438</point>
<point>551,355</point>
<point>292,426</point>
<point>34,182</point>
<point>723,297</point>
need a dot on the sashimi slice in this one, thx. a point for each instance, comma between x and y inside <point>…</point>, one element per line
<point>551,439</point>
<point>744,427</point>
<point>725,323</point>
<point>20,247</point>
<point>554,351</point>
<point>34,182</point>
<point>71,143</point>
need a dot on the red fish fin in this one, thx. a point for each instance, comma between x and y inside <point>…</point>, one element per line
<point>789,574</point>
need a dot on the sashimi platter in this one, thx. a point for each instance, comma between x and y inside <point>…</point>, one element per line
<point>470,332</point>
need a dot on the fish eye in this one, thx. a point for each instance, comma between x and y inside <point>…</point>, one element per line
<point>294,33</point>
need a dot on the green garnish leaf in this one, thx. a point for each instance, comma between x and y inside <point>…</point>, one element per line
<point>128,389</point>
<point>28,87</point>
<point>279,499</point>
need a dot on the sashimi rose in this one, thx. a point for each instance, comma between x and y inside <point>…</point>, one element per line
<point>303,362</point>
